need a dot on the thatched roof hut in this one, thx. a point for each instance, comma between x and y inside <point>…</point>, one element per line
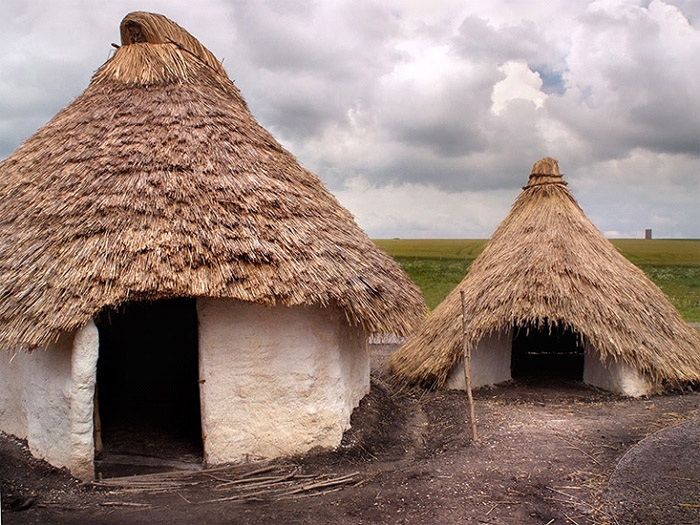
<point>548,269</point>
<point>157,183</point>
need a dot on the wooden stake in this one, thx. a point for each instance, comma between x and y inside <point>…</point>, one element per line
<point>468,367</point>
<point>97,426</point>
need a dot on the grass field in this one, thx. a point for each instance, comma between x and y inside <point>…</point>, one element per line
<point>438,265</point>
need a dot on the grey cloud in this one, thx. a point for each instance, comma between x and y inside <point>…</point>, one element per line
<point>624,208</point>
<point>297,105</point>
<point>478,40</point>
<point>467,148</point>
<point>304,76</point>
<point>451,139</point>
<point>47,57</point>
<point>275,39</point>
<point>690,8</point>
<point>447,121</point>
<point>348,88</point>
<point>646,98</point>
<point>451,174</point>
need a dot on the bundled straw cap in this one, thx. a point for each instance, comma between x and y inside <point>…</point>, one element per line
<point>545,171</point>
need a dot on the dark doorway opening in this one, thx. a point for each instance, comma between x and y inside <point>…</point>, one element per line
<point>148,385</point>
<point>548,351</point>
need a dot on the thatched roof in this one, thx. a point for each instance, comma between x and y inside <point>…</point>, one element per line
<point>547,264</point>
<point>157,182</point>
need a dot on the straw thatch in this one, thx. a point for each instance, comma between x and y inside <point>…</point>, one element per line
<point>547,265</point>
<point>157,182</point>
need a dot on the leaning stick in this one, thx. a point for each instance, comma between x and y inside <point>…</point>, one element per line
<point>468,367</point>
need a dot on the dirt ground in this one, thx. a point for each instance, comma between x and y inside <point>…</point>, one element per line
<point>548,453</point>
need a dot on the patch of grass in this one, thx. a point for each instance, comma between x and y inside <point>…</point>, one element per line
<point>438,265</point>
<point>681,284</point>
<point>433,248</point>
<point>435,277</point>
<point>665,252</point>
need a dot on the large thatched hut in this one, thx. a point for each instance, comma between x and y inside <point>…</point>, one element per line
<point>549,295</point>
<point>157,242</point>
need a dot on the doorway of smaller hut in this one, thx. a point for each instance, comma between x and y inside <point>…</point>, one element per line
<point>147,399</point>
<point>549,351</point>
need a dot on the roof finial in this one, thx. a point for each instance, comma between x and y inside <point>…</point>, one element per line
<point>545,171</point>
<point>545,166</point>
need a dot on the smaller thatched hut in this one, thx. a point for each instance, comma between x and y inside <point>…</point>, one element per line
<point>160,247</point>
<point>549,295</point>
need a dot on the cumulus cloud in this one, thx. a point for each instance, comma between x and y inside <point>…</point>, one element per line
<point>630,78</point>
<point>413,112</point>
<point>390,211</point>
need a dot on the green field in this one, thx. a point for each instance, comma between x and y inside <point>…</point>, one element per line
<point>438,265</point>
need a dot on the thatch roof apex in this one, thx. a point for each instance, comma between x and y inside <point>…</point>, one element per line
<point>545,166</point>
<point>545,171</point>
<point>142,27</point>
<point>157,182</point>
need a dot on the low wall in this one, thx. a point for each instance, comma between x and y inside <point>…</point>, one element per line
<point>46,397</point>
<point>614,376</point>
<point>276,381</point>
<point>490,363</point>
<point>273,382</point>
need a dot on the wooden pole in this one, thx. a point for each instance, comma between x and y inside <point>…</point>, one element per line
<point>468,367</point>
<point>97,426</point>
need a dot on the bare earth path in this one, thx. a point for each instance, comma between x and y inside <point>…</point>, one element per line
<point>545,455</point>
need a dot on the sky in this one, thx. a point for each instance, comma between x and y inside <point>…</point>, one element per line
<point>424,118</point>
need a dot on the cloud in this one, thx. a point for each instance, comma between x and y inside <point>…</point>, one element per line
<point>629,203</point>
<point>430,106</point>
<point>306,67</point>
<point>390,211</point>
<point>630,81</point>
<point>519,84</point>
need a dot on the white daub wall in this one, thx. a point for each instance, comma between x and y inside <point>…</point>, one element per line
<point>490,363</point>
<point>13,417</point>
<point>616,377</point>
<point>273,381</point>
<point>276,381</point>
<point>47,398</point>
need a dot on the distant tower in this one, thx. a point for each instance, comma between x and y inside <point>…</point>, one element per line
<point>647,233</point>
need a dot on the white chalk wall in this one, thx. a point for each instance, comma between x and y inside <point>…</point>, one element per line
<point>490,363</point>
<point>492,358</point>
<point>278,380</point>
<point>46,402</point>
<point>82,408</point>
<point>46,397</point>
<point>614,376</point>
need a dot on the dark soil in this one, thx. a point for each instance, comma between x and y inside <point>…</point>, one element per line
<point>641,491</point>
<point>545,455</point>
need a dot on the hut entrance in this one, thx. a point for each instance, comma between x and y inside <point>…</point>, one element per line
<point>549,351</point>
<point>148,384</point>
